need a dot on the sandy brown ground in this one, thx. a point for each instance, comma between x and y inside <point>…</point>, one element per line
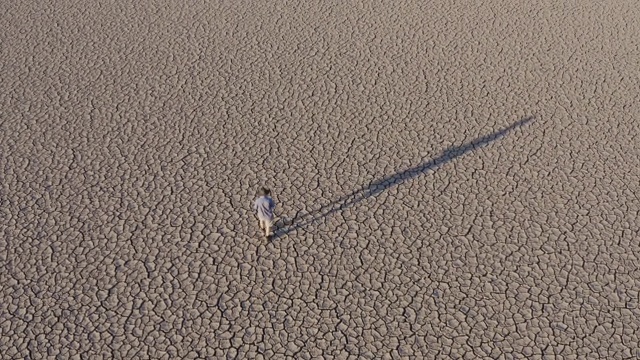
<point>454,179</point>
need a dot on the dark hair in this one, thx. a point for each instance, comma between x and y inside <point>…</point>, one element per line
<point>264,191</point>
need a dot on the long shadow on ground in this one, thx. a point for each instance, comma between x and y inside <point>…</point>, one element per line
<point>380,185</point>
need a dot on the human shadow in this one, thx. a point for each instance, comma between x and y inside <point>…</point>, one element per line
<point>378,186</point>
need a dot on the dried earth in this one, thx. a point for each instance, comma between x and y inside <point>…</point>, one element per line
<point>455,179</point>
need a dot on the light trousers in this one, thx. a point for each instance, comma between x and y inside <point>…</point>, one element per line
<point>266,225</point>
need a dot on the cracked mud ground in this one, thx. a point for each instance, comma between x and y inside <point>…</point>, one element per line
<point>453,179</point>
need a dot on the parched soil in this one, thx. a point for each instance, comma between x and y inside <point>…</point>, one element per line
<point>454,179</point>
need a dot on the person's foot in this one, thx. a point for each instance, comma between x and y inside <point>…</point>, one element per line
<point>268,237</point>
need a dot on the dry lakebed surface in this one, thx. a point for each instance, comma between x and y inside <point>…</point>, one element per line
<point>454,179</point>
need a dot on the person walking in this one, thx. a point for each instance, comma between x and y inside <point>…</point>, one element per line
<point>264,206</point>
